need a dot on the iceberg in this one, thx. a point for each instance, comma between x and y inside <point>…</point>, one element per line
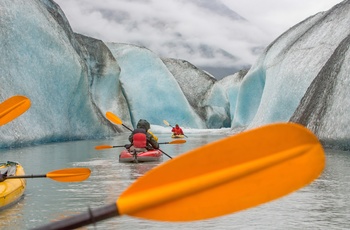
<point>42,60</point>
<point>312,54</point>
<point>73,80</point>
<point>200,90</point>
<point>231,85</point>
<point>325,107</point>
<point>150,88</point>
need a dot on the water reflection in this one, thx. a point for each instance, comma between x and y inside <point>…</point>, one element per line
<point>324,204</point>
<point>12,215</point>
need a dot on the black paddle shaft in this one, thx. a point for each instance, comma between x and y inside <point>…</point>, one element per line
<point>90,217</point>
<point>25,176</point>
<point>165,154</point>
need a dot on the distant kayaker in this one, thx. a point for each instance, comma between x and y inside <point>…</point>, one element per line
<point>177,130</point>
<point>142,137</point>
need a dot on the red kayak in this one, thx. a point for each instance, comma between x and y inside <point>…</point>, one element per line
<point>151,155</point>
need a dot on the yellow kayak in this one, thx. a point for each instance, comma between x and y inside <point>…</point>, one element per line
<point>177,136</point>
<point>11,190</point>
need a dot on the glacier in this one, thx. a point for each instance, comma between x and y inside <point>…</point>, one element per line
<point>274,87</point>
<point>150,88</point>
<point>283,73</point>
<point>73,80</point>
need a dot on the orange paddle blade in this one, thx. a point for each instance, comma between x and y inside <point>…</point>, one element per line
<point>177,142</point>
<point>12,108</point>
<point>226,176</point>
<point>69,174</point>
<point>103,147</point>
<point>113,118</point>
<point>166,123</point>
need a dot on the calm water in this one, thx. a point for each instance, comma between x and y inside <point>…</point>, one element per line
<point>325,204</point>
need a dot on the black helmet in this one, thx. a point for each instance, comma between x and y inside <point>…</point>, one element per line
<point>143,124</point>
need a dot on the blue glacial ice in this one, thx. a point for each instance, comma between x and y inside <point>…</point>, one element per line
<point>325,107</point>
<point>39,59</point>
<point>313,53</point>
<point>150,89</point>
<point>73,80</point>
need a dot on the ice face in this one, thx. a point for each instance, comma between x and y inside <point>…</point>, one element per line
<point>304,72</point>
<point>40,59</point>
<point>73,80</point>
<point>151,90</point>
<point>274,86</point>
<point>325,107</point>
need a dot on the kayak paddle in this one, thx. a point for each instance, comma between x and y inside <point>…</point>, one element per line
<point>167,123</point>
<point>99,147</point>
<point>12,108</point>
<point>61,175</point>
<point>222,177</point>
<point>166,154</point>
<point>174,142</point>
<point>115,119</point>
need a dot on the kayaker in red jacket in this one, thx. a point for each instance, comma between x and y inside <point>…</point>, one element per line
<point>177,130</point>
<point>143,127</point>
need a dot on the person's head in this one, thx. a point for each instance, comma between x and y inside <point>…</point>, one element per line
<point>177,126</point>
<point>143,124</point>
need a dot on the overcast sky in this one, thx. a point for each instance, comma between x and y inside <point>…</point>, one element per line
<point>276,16</point>
<point>195,25</point>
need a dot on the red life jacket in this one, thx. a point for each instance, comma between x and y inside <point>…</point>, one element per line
<point>139,140</point>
